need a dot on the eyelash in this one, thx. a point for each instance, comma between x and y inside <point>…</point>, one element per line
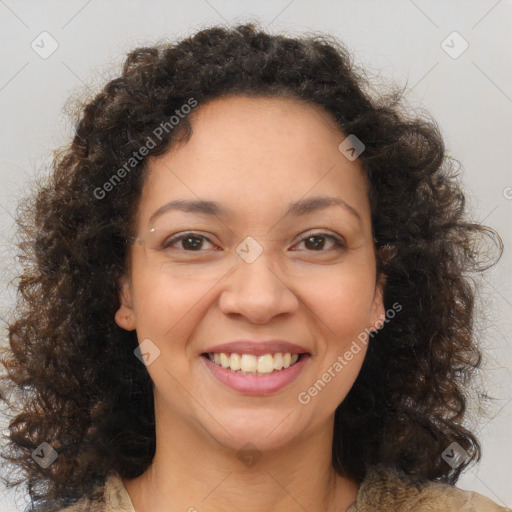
<point>338,242</point>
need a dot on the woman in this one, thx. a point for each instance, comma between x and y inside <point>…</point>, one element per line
<point>245,288</point>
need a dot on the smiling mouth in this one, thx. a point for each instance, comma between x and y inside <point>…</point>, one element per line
<point>249,364</point>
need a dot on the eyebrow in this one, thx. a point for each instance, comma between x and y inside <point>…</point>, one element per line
<point>301,207</point>
<point>313,204</point>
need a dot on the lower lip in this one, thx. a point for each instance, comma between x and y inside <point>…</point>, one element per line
<point>253,384</point>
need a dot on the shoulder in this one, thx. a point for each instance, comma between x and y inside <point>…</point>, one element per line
<point>112,497</point>
<point>386,489</point>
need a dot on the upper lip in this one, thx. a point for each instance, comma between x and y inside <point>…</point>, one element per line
<point>257,348</point>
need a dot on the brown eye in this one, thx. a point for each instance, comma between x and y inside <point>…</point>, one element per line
<point>316,242</point>
<point>189,242</point>
<point>192,243</point>
<point>321,242</point>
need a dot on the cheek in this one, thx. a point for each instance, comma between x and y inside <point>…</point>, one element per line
<point>166,307</point>
<point>342,301</point>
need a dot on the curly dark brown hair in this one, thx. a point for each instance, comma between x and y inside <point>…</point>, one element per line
<point>71,378</point>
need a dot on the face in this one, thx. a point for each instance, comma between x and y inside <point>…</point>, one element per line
<point>271,170</point>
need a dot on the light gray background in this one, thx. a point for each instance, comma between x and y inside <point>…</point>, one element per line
<point>471,97</point>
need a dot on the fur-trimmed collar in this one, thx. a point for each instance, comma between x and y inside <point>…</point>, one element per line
<point>388,490</point>
<point>383,490</point>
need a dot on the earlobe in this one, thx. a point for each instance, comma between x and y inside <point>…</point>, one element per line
<point>378,312</point>
<point>125,316</point>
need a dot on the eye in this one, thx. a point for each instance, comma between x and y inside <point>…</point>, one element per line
<point>320,242</point>
<point>190,241</point>
<point>195,242</point>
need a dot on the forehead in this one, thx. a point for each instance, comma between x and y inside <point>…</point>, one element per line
<point>259,152</point>
<point>270,121</point>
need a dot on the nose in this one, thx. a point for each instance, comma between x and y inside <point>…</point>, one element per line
<point>257,292</point>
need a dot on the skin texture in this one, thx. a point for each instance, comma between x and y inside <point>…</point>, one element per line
<point>253,156</point>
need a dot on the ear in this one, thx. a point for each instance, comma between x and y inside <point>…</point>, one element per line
<point>125,315</point>
<point>378,313</point>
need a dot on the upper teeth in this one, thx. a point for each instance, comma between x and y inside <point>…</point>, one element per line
<point>250,363</point>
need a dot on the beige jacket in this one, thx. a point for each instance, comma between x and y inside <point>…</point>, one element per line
<point>383,490</point>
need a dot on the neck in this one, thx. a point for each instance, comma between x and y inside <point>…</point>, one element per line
<point>192,472</point>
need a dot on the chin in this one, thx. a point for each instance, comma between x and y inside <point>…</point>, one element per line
<point>266,431</point>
